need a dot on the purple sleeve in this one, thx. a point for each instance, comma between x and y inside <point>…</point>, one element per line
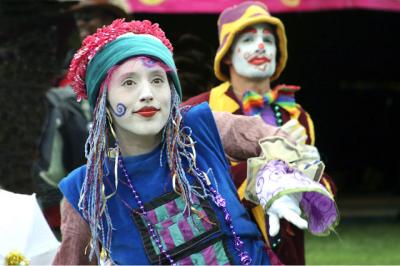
<point>240,134</point>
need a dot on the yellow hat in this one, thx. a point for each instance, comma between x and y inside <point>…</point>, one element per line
<point>235,19</point>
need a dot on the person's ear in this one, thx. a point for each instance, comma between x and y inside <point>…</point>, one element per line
<point>228,59</point>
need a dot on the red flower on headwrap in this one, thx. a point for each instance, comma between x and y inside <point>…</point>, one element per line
<point>95,42</point>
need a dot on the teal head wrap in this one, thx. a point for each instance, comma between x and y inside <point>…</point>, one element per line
<point>120,49</point>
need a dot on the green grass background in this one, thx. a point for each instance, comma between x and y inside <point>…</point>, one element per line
<point>362,244</point>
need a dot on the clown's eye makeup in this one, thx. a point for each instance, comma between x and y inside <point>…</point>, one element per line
<point>128,82</point>
<point>268,39</point>
<point>157,81</point>
<point>248,38</point>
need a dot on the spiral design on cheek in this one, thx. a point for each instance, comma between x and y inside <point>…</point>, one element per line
<point>121,110</point>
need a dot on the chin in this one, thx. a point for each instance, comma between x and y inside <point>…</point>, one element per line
<point>255,74</point>
<point>259,75</point>
<point>148,129</point>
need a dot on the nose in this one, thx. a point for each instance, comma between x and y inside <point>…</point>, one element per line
<point>261,45</point>
<point>146,94</point>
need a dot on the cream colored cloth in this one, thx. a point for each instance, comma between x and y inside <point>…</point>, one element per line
<point>289,173</point>
<point>299,156</point>
<point>278,148</point>
<point>24,230</point>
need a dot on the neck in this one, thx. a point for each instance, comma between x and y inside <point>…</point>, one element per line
<point>131,144</point>
<point>241,84</point>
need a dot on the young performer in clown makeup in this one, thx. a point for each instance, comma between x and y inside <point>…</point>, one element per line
<point>163,194</point>
<point>251,55</point>
<point>141,91</point>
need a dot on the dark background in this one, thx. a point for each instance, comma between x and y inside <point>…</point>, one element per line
<point>345,61</point>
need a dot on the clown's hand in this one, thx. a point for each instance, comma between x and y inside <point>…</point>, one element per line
<point>286,207</point>
<point>296,131</point>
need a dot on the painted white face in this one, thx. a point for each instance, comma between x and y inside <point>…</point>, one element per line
<point>254,52</point>
<point>139,96</point>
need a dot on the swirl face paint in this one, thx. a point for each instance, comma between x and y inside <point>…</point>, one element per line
<point>254,52</point>
<point>148,62</point>
<point>120,111</point>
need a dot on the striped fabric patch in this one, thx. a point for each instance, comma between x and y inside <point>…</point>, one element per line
<point>190,238</point>
<point>175,227</point>
<point>211,255</point>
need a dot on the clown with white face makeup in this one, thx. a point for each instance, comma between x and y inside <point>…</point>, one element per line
<point>252,53</point>
<point>162,194</point>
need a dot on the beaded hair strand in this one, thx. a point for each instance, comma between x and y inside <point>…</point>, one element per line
<point>180,147</point>
<point>92,201</point>
<point>181,154</point>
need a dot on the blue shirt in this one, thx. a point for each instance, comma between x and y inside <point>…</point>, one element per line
<point>202,237</point>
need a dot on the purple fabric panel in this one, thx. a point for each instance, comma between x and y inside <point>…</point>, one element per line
<point>172,208</point>
<point>168,240</point>
<point>209,256</point>
<point>186,261</point>
<point>320,210</point>
<point>268,116</point>
<point>235,13</point>
<point>185,229</point>
<point>152,216</point>
<point>167,223</point>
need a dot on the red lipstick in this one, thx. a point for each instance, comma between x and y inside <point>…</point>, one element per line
<point>147,111</point>
<point>259,60</point>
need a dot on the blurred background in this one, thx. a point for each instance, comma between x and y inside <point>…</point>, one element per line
<point>344,55</point>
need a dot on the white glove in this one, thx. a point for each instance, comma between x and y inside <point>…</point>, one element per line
<point>285,207</point>
<point>296,131</point>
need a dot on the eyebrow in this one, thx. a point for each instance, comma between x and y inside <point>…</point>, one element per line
<point>133,74</point>
<point>251,30</point>
<point>157,71</point>
<point>128,74</point>
<point>267,31</point>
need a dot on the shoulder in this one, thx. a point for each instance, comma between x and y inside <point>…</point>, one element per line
<point>197,112</point>
<point>74,178</point>
<point>203,97</point>
<point>199,123</point>
<point>300,108</point>
<point>200,120</point>
<point>71,185</point>
<point>221,89</point>
<point>303,114</point>
<point>287,97</point>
